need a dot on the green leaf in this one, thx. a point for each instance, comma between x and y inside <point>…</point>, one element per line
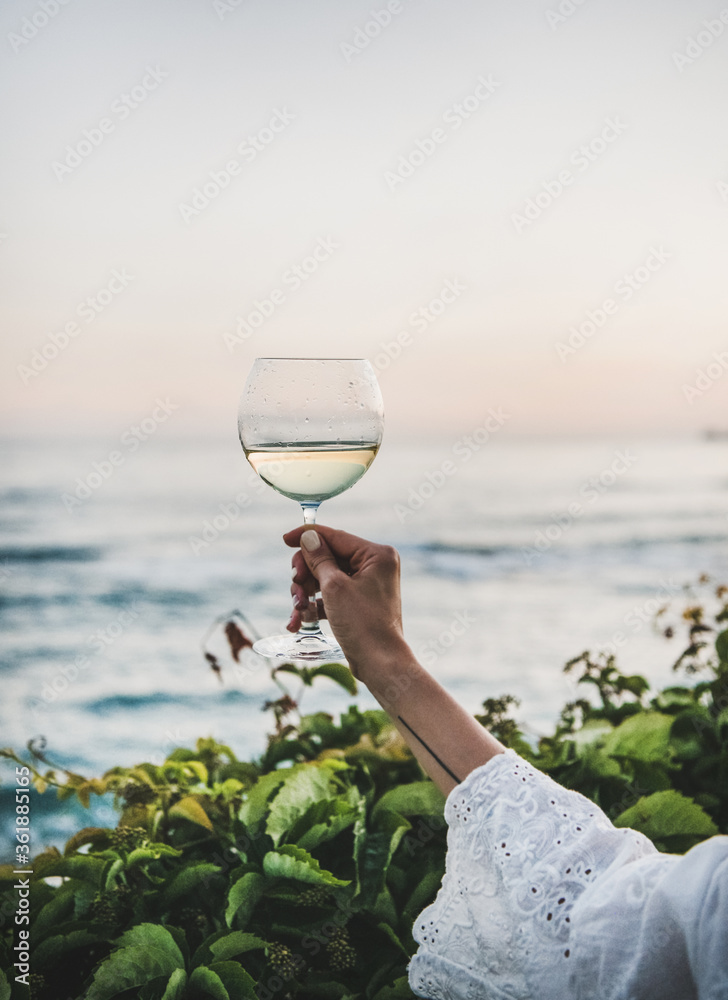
<point>319,724</point>
<point>373,850</point>
<point>145,952</point>
<point>663,816</point>
<point>422,895</point>
<point>384,908</point>
<point>399,990</point>
<point>58,909</point>
<point>255,806</point>
<point>208,984</point>
<point>79,866</point>
<point>290,668</point>
<point>89,835</point>
<point>189,808</point>
<point>293,862</point>
<point>338,816</point>
<point>115,867</point>
<point>54,950</point>
<point>235,943</point>
<point>4,987</point>
<point>419,798</point>
<point>176,986</point>
<point>687,736</point>
<point>303,786</point>
<point>674,697</point>
<point>242,898</point>
<point>590,733</point>
<point>230,788</point>
<point>645,737</point>
<point>236,980</point>
<point>388,932</point>
<point>721,646</point>
<point>151,852</point>
<point>194,878</point>
<point>338,673</point>
<point>635,684</point>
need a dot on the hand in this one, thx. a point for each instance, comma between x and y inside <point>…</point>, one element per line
<point>359,582</point>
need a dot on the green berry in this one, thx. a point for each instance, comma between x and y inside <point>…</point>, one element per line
<point>340,953</point>
<point>103,909</point>
<point>316,896</point>
<point>127,837</point>
<point>37,985</point>
<point>281,960</point>
<point>137,794</point>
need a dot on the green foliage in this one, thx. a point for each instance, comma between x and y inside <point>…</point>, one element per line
<point>299,875</point>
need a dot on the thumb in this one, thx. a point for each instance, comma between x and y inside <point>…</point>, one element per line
<point>318,557</point>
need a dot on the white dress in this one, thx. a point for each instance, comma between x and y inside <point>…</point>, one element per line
<point>544,899</point>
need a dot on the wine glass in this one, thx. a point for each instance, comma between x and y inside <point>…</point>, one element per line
<point>310,427</point>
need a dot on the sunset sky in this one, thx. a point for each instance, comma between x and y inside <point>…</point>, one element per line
<point>448,189</point>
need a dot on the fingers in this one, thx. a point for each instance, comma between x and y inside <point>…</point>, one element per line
<point>319,558</point>
<point>296,619</point>
<point>341,542</point>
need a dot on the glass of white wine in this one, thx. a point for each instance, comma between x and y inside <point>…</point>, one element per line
<point>310,427</point>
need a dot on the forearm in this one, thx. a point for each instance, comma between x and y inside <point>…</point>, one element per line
<point>445,739</point>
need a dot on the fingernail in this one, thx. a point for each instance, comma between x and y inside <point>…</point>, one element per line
<point>300,601</point>
<point>310,540</point>
<point>294,573</point>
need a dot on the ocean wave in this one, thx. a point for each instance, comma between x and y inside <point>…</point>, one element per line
<point>131,702</point>
<point>51,553</point>
<point>592,545</point>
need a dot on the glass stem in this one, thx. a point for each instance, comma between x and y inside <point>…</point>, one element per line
<point>309,618</point>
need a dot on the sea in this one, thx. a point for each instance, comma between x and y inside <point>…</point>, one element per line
<point>120,563</point>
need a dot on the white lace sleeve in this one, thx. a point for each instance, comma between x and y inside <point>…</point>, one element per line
<point>521,912</point>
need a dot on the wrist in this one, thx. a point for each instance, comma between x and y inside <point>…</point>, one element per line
<point>389,673</point>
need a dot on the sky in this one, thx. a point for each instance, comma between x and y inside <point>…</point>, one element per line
<point>518,207</point>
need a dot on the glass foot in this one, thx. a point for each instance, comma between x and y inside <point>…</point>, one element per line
<point>317,648</point>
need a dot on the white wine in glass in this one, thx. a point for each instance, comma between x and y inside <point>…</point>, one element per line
<point>310,428</point>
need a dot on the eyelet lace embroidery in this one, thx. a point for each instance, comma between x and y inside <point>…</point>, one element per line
<point>521,851</point>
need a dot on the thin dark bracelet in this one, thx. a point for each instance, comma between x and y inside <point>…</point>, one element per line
<point>430,751</point>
